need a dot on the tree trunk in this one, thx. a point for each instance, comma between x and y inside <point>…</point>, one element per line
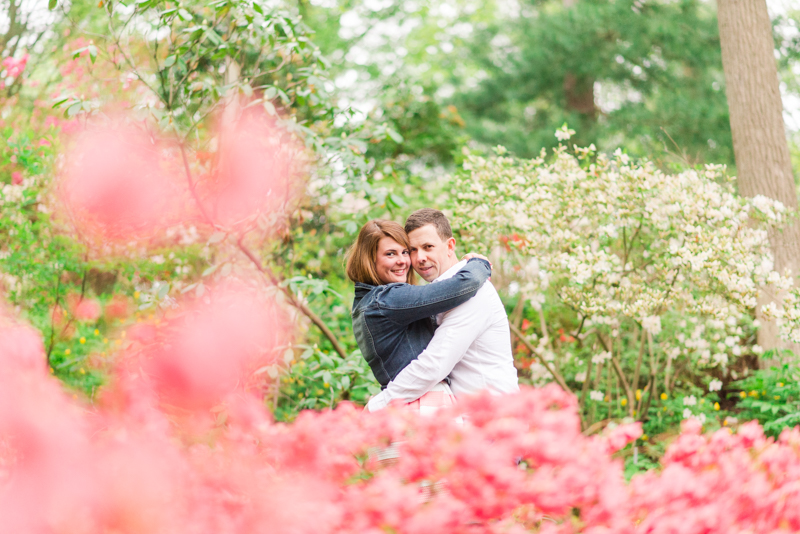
<point>759,137</point>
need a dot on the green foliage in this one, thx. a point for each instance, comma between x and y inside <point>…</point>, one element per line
<point>317,380</point>
<point>772,397</point>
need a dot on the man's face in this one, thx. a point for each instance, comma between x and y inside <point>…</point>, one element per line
<point>430,256</point>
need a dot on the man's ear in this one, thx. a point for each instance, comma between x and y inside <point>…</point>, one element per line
<point>451,246</point>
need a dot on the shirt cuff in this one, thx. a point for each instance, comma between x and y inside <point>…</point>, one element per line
<point>378,402</point>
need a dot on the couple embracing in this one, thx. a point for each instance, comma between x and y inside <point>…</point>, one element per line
<point>427,345</point>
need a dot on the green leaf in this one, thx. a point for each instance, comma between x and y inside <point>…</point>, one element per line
<point>60,101</point>
<point>210,270</point>
<point>345,382</point>
<point>163,291</point>
<point>185,15</point>
<point>189,288</point>
<point>216,237</point>
<point>74,109</point>
<point>396,137</point>
<point>397,201</point>
<point>51,4</point>
<point>170,61</point>
<point>350,227</point>
<point>92,52</point>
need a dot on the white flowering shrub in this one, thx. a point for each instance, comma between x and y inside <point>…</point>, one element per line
<point>652,278</point>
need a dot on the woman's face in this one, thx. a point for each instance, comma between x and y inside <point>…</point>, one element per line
<point>393,261</point>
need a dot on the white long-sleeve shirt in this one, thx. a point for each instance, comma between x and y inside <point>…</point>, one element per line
<point>472,345</point>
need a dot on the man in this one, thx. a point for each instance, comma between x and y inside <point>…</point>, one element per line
<point>472,343</point>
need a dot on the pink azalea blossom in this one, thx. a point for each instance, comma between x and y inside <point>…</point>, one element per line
<point>15,66</point>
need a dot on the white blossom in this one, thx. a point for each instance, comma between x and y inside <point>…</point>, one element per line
<point>715,385</point>
<point>564,133</point>
<point>596,395</point>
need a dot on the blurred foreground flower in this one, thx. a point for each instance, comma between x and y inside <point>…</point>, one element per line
<point>253,171</point>
<point>118,184</point>
<point>516,464</point>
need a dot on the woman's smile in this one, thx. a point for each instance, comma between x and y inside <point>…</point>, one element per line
<point>392,262</point>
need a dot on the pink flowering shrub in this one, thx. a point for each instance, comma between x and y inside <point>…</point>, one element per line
<point>14,66</point>
<point>167,449</point>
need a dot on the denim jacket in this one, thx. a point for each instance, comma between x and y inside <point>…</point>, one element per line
<point>393,323</point>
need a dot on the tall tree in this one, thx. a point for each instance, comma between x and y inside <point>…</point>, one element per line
<point>756,115</point>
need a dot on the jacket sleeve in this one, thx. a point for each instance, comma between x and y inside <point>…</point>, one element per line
<point>405,303</point>
<point>459,329</point>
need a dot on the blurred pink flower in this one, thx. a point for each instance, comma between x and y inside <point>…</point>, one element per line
<point>117,184</point>
<point>254,170</point>
<point>210,348</point>
<point>15,66</point>
<point>16,177</point>
<point>84,309</point>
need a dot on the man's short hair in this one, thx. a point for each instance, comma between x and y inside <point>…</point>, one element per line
<point>420,218</point>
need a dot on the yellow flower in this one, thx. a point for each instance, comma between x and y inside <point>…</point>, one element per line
<point>105,340</point>
<point>118,342</point>
<point>638,394</point>
<point>716,406</point>
<point>777,397</point>
<point>754,393</point>
<point>623,402</point>
<point>67,352</point>
<point>742,394</point>
<point>136,294</point>
<point>663,396</point>
<point>780,384</point>
<point>82,371</point>
<point>83,340</point>
<point>326,385</point>
<point>51,371</point>
<point>320,391</point>
<point>96,332</point>
<point>605,399</point>
<point>645,437</point>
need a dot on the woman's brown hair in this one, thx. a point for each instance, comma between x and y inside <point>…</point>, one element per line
<point>362,256</point>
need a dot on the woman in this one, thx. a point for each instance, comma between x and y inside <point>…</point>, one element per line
<point>392,318</point>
